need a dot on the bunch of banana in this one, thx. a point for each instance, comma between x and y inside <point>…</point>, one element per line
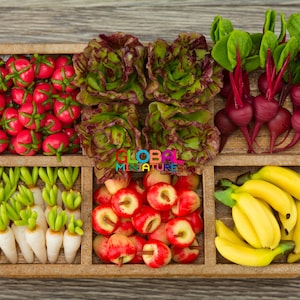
<point>253,218</point>
<point>236,250</point>
<point>266,215</point>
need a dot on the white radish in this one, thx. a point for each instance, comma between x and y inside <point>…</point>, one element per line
<point>7,238</point>
<point>37,241</point>
<point>34,234</point>
<point>13,209</point>
<point>54,242</point>
<point>72,243</point>
<point>55,232</point>
<point>26,250</point>
<point>72,239</point>
<point>8,245</point>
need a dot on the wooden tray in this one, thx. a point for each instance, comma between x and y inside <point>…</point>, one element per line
<point>233,161</point>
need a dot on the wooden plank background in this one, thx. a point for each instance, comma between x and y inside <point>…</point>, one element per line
<point>66,21</point>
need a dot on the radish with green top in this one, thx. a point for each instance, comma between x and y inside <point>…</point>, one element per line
<point>54,234</point>
<point>30,178</point>
<point>13,208</point>
<point>34,234</point>
<point>7,238</point>
<point>72,239</point>
<point>25,197</point>
<point>72,201</point>
<point>50,196</point>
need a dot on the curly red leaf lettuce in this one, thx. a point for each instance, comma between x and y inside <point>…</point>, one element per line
<point>189,131</point>
<point>182,73</point>
<point>111,68</point>
<point>105,130</point>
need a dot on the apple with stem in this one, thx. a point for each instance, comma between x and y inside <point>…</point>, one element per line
<point>101,195</point>
<point>100,247</point>
<point>186,255</point>
<point>146,220</point>
<point>119,181</point>
<point>190,182</point>
<point>187,202</point>
<point>120,249</point>
<point>154,176</point>
<point>126,202</point>
<point>139,243</point>
<point>161,196</point>
<point>179,232</point>
<point>156,254</point>
<point>104,219</point>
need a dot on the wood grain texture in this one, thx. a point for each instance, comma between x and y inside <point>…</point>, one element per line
<point>67,21</point>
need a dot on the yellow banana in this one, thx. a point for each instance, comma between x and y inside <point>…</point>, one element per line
<point>262,219</point>
<point>293,257</point>
<point>289,224</point>
<point>272,194</point>
<point>273,222</point>
<point>249,256</point>
<point>284,236</point>
<point>245,228</point>
<point>284,177</point>
<point>296,232</point>
<point>223,231</point>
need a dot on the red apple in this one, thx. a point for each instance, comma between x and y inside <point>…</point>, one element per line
<point>156,254</point>
<point>139,243</point>
<point>146,220</point>
<point>104,219</point>
<point>100,247</point>
<point>196,220</point>
<point>161,196</point>
<point>180,232</point>
<point>187,202</point>
<point>121,180</point>
<point>125,227</point>
<point>101,195</point>
<point>154,176</point>
<point>186,255</point>
<point>159,234</point>
<point>120,249</point>
<point>137,185</point>
<point>126,202</point>
<point>189,182</point>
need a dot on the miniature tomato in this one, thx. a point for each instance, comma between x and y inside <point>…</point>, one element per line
<point>21,72</point>
<point>67,108</point>
<point>56,144</point>
<point>32,115</point>
<point>63,77</point>
<point>27,142</point>
<point>44,93</point>
<point>43,66</point>
<point>10,121</point>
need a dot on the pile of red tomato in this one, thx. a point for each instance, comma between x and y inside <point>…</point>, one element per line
<point>38,106</point>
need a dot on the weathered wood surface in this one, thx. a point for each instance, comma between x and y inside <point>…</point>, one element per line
<point>66,21</point>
